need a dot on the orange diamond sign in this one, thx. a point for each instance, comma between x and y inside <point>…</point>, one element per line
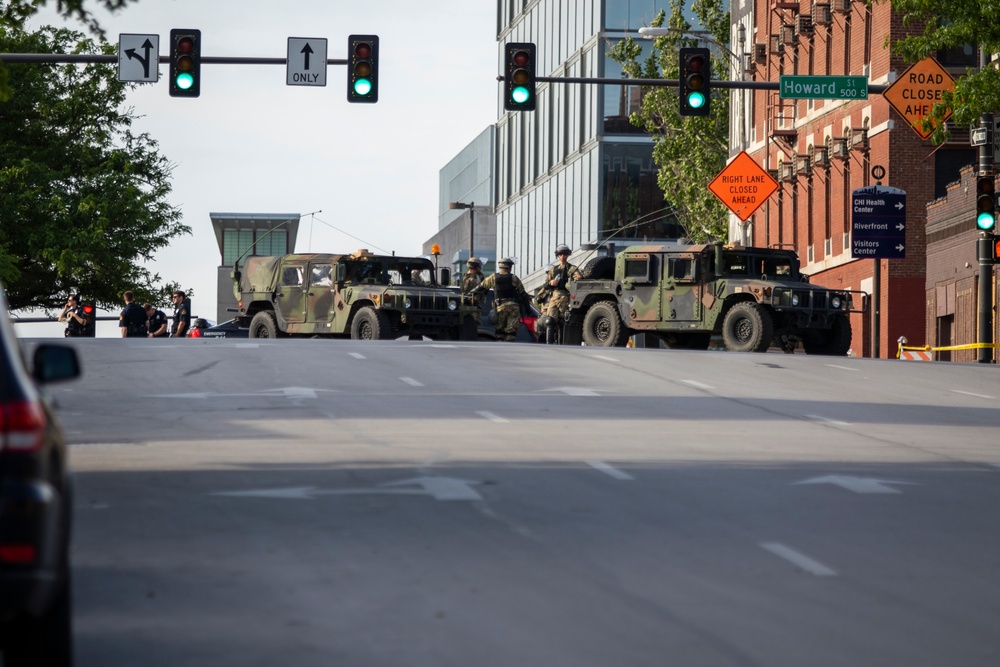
<point>743,186</point>
<point>919,88</point>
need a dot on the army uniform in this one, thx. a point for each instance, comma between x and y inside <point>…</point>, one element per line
<point>558,300</point>
<point>472,279</point>
<point>508,296</point>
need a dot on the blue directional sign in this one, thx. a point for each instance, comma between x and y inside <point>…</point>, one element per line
<point>878,223</point>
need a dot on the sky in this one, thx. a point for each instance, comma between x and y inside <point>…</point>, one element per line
<point>252,144</point>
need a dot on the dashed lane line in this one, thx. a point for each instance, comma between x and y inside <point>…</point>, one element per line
<point>609,470</point>
<point>492,417</point>
<point>798,559</point>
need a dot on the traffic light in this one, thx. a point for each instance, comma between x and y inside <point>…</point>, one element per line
<point>986,215</point>
<point>89,327</point>
<point>362,68</point>
<point>519,77</point>
<point>185,63</point>
<point>695,81</point>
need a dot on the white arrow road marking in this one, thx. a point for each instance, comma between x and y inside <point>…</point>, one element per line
<point>800,560</point>
<point>573,391</point>
<point>441,488</point>
<point>825,420</point>
<point>609,470</point>
<point>412,382</point>
<point>287,392</point>
<point>492,417</point>
<point>699,385</point>
<point>856,484</point>
<point>969,393</point>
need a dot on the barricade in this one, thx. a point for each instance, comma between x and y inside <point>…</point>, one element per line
<point>926,353</point>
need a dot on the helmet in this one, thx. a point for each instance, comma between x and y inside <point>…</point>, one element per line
<point>563,249</point>
<point>200,322</point>
<point>506,261</point>
<point>473,261</point>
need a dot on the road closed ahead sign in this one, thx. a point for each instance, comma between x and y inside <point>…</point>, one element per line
<point>919,88</point>
<point>743,186</point>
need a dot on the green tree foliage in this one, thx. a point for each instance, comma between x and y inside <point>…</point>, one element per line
<point>14,13</point>
<point>947,24</point>
<point>83,200</point>
<point>690,151</point>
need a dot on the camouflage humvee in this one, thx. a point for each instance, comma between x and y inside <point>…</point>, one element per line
<point>362,295</point>
<point>682,295</point>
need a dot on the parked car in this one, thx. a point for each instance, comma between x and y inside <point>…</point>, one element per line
<point>35,505</point>
<point>487,331</point>
<point>228,329</point>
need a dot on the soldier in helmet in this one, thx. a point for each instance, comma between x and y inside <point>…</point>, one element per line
<point>509,294</point>
<point>558,276</point>
<point>473,277</point>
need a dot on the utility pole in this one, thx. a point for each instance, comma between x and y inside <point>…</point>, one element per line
<point>984,245</point>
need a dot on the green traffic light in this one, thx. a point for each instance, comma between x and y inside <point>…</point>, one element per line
<point>520,94</point>
<point>184,81</point>
<point>696,100</point>
<point>362,87</point>
<point>985,221</point>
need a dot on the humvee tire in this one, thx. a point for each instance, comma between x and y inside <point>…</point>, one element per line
<point>602,327</point>
<point>370,324</point>
<point>747,328</point>
<point>264,325</point>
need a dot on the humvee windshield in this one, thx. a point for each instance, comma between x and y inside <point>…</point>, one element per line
<point>391,271</point>
<point>769,267</point>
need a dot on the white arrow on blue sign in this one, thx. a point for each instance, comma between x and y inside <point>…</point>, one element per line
<point>878,223</point>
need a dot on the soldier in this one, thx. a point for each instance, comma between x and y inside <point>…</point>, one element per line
<point>132,320</point>
<point>558,275</point>
<point>472,279</point>
<point>509,294</point>
<point>75,316</point>
<point>156,322</point>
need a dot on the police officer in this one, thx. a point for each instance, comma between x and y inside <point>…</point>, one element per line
<point>508,296</point>
<point>156,322</point>
<point>558,275</point>
<point>182,315</point>
<point>132,320</point>
<point>75,316</point>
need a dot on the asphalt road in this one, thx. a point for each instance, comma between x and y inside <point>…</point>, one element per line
<point>308,502</point>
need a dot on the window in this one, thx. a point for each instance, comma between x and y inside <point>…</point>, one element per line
<point>636,269</point>
<point>321,275</point>
<point>291,276</point>
<point>681,269</point>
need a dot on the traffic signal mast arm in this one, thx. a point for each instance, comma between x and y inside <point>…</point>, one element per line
<point>163,60</point>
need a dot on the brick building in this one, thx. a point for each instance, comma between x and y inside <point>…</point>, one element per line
<point>821,150</point>
<point>952,288</point>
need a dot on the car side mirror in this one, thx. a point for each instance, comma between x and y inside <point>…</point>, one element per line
<point>446,277</point>
<point>341,273</point>
<point>53,363</point>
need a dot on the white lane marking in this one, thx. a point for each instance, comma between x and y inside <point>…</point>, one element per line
<point>699,385</point>
<point>843,368</point>
<point>856,484</point>
<point>492,417</point>
<point>799,560</point>
<point>243,346</point>
<point>969,393</point>
<point>574,391</point>
<point>609,470</point>
<point>412,382</point>
<point>826,420</point>
<point>356,355</point>
<point>599,356</point>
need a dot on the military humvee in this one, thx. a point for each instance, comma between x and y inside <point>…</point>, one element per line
<point>362,295</point>
<point>682,295</point>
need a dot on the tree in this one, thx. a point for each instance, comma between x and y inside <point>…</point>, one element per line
<point>690,151</point>
<point>14,13</point>
<point>948,24</point>
<point>83,200</point>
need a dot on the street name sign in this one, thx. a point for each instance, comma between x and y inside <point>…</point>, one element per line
<point>878,223</point>
<point>919,88</point>
<point>306,61</point>
<point>823,87</point>
<point>138,57</point>
<point>743,185</point>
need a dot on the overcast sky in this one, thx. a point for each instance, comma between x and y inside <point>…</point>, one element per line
<point>253,144</point>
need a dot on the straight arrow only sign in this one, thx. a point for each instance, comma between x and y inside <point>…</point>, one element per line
<point>306,61</point>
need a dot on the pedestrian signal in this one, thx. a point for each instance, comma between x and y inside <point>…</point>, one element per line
<point>185,63</point>
<point>695,81</point>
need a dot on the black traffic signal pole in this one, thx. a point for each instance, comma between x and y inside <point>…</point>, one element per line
<point>163,60</point>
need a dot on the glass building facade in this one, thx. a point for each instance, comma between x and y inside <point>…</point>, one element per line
<point>574,171</point>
